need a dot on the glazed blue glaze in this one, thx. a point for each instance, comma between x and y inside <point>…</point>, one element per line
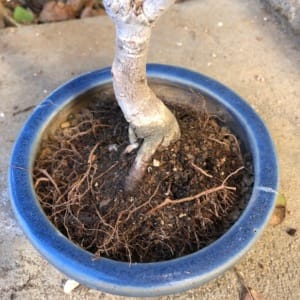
<point>148,279</point>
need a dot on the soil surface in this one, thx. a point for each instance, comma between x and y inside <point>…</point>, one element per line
<point>190,195</point>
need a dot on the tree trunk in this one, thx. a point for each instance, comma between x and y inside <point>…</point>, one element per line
<point>149,119</point>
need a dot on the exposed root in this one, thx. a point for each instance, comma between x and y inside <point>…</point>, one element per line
<point>221,187</point>
<point>200,170</point>
<point>141,162</point>
<point>80,184</point>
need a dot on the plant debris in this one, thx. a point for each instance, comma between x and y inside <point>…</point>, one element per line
<point>15,12</point>
<point>279,213</point>
<point>22,15</point>
<point>190,195</point>
<point>248,293</point>
<point>26,109</point>
<point>251,294</point>
<point>291,231</point>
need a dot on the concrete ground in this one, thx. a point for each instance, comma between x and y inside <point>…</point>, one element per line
<point>237,42</point>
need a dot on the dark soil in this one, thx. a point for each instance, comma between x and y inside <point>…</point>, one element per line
<point>191,194</point>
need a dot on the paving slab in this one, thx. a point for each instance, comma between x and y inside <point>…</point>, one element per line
<point>236,42</point>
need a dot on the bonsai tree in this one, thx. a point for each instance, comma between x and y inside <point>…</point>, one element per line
<point>150,121</point>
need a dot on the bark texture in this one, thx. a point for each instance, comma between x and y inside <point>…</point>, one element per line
<point>149,119</point>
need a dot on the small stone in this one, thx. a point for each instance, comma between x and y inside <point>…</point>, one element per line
<point>190,156</point>
<point>2,114</point>
<point>45,153</point>
<point>155,163</point>
<point>65,125</point>
<point>259,78</point>
<point>70,285</point>
<point>113,147</point>
<point>182,215</point>
<point>220,24</point>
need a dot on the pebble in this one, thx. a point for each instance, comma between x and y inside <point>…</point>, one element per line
<point>220,24</point>
<point>65,125</point>
<point>155,163</point>
<point>113,147</point>
<point>2,115</point>
<point>70,285</point>
<point>259,78</point>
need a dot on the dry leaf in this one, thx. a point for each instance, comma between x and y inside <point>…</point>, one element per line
<point>88,12</point>
<point>56,11</point>
<point>77,5</point>
<point>280,211</point>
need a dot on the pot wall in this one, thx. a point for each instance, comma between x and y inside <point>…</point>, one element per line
<point>151,279</point>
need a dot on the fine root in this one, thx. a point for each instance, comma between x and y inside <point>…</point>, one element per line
<point>180,207</point>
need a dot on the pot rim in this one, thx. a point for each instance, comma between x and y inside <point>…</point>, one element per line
<point>144,279</point>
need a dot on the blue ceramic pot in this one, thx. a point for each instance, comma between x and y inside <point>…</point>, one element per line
<point>146,279</point>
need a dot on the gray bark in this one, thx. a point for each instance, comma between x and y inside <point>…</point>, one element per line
<point>149,119</point>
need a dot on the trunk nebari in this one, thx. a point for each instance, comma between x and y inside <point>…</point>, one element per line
<point>149,119</point>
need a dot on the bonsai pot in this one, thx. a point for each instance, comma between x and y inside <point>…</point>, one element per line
<point>159,278</point>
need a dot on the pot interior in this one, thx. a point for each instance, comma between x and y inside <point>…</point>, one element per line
<point>167,91</point>
<point>170,93</point>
